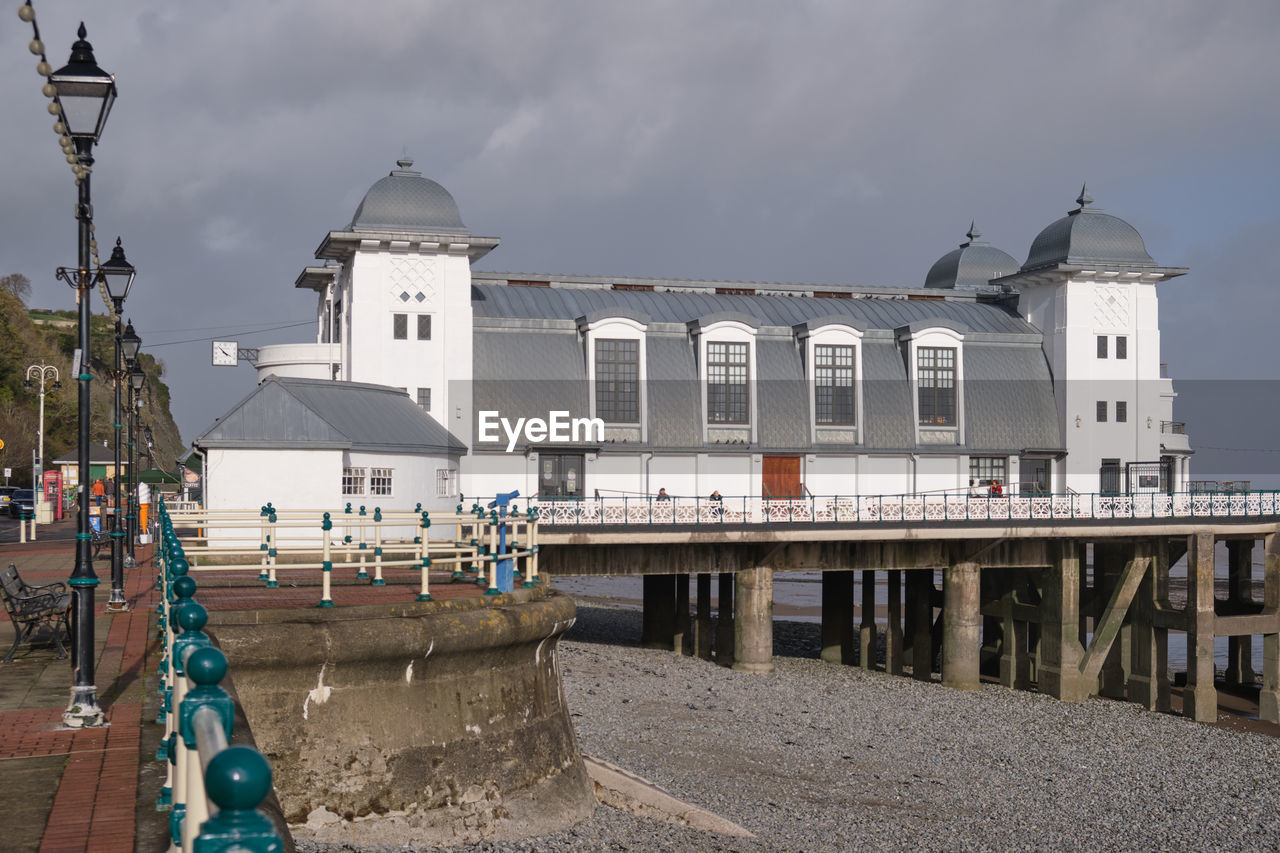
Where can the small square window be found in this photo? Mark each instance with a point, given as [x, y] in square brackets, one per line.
[1102, 346]
[1122, 346]
[1122, 412]
[424, 327]
[380, 481]
[424, 399]
[1102, 411]
[353, 481]
[400, 327]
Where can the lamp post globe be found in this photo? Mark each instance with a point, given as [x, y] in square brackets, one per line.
[84, 96]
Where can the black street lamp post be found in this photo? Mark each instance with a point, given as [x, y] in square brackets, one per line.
[136, 380]
[84, 95]
[126, 345]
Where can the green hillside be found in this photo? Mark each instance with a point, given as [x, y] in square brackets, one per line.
[34, 336]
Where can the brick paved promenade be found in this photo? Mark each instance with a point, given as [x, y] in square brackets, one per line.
[95, 789]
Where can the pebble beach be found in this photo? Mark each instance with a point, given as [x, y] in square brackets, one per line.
[819, 757]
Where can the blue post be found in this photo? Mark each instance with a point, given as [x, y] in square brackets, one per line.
[506, 575]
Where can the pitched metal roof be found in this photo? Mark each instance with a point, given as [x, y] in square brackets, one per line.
[501, 300]
[320, 413]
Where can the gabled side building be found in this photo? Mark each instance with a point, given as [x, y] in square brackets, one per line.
[1043, 376]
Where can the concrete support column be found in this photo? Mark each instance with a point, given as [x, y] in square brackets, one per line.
[1109, 560]
[1015, 662]
[753, 634]
[961, 625]
[725, 629]
[1060, 648]
[867, 626]
[1269, 697]
[681, 641]
[920, 593]
[893, 633]
[1149, 667]
[659, 623]
[1200, 697]
[837, 617]
[1240, 593]
[702, 625]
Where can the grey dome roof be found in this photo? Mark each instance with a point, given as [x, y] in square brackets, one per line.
[972, 265]
[404, 201]
[1088, 236]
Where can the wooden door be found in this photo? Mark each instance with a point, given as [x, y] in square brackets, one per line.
[782, 477]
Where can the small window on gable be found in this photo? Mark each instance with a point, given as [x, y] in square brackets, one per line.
[1102, 411]
[1102, 346]
[1122, 346]
[1122, 412]
[400, 327]
[353, 481]
[424, 327]
[424, 399]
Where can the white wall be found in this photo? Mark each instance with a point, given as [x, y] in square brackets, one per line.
[831, 475]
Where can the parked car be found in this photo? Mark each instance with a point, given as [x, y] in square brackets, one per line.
[22, 503]
[6, 493]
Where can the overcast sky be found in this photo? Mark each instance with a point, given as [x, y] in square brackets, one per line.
[825, 142]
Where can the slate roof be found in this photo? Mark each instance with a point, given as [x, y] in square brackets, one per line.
[971, 266]
[406, 202]
[529, 359]
[285, 412]
[1088, 236]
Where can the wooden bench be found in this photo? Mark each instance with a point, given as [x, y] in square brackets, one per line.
[30, 607]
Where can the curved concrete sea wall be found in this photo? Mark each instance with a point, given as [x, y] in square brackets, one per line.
[445, 718]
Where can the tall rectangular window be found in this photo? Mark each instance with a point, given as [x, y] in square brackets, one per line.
[1102, 346]
[618, 380]
[1102, 411]
[728, 398]
[936, 369]
[833, 372]
[379, 481]
[1122, 346]
[1122, 412]
[424, 399]
[353, 481]
[424, 327]
[446, 482]
[400, 327]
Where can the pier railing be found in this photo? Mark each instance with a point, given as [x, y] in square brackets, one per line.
[905, 508]
[212, 790]
[491, 547]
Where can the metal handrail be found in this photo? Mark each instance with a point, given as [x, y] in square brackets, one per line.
[906, 508]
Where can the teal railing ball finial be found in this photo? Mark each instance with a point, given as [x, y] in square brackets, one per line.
[178, 566]
[377, 513]
[327, 524]
[348, 510]
[426, 522]
[184, 587]
[417, 507]
[206, 666]
[362, 512]
[238, 779]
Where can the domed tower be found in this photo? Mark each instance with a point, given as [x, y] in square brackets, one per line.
[397, 303]
[1089, 285]
[971, 266]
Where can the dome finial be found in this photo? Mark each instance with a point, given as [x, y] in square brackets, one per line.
[973, 234]
[405, 162]
[1084, 199]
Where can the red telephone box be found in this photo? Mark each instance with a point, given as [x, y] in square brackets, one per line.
[53, 492]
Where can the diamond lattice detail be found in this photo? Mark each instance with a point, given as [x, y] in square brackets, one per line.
[413, 278]
[1111, 307]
